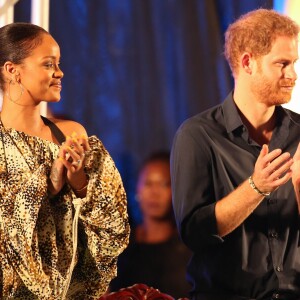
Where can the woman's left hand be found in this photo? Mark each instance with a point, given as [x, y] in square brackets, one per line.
[72, 155]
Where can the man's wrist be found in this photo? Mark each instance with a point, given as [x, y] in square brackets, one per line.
[252, 184]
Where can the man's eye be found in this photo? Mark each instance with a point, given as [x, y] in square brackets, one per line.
[282, 63]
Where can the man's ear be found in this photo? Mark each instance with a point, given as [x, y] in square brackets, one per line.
[247, 62]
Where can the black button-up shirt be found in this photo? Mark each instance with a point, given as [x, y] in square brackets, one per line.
[212, 154]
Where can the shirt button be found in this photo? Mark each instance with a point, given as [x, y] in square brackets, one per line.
[278, 269]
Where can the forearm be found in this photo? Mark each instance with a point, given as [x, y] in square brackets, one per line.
[296, 177]
[297, 193]
[234, 209]
[271, 170]
[56, 178]
[79, 186]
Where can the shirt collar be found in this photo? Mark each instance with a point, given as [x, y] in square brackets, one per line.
[231, 115]
[234, 121]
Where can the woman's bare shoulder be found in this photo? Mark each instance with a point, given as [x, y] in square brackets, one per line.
[68, 127]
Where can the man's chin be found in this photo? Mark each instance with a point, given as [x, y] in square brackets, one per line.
[283, 98]
[286, 98]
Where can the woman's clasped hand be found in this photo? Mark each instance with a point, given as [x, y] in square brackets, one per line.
[69, 165]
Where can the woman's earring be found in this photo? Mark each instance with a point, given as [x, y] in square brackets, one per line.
[11, 82]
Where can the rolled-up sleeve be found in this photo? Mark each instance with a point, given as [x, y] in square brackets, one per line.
[192, 187]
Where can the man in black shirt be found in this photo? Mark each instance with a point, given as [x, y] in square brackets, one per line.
[231, 167]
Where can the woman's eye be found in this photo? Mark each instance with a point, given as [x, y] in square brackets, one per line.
[49, 65]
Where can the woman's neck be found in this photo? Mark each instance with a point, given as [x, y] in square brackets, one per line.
[25, 119]
[155, 231]
[22, 118]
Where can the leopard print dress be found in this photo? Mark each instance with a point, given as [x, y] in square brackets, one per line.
[36, 236]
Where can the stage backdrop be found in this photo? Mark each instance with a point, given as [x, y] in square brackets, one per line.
[136, 69]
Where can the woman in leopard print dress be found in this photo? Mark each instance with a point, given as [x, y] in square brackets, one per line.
[63, 217]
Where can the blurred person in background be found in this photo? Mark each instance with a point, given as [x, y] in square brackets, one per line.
[155, 255]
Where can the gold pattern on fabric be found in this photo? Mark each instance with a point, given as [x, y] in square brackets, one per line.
[36, 245]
